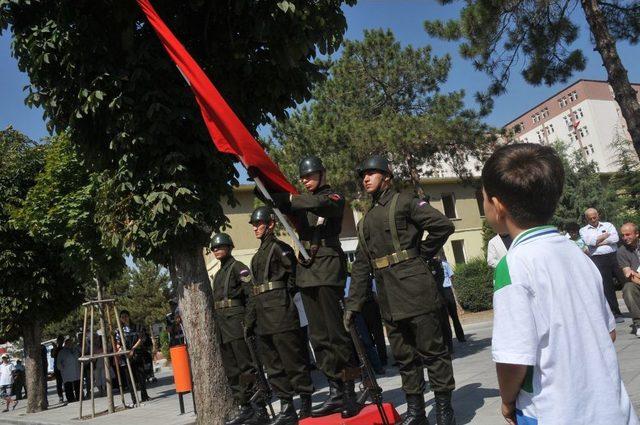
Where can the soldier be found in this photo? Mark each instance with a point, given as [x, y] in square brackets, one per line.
[231, 291]
[274, 318]
[321, 282]
[391, 246]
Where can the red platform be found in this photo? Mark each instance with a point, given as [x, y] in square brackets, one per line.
[367, 416]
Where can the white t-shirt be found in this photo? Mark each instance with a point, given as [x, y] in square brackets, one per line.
[6, 374]
[550, 313]
[448, 274]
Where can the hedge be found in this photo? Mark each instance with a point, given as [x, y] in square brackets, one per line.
[473, 284]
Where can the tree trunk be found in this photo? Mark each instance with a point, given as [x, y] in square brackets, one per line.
[195, 299]
[624, 93]
[35, 371]
[415, 178]
[105, 348]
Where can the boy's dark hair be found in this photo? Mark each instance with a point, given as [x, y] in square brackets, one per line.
[572, 227]
[528, 179]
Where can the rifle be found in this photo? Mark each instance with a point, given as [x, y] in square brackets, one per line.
[263, 390]
[369, 382]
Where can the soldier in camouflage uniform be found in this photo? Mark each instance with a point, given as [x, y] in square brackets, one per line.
[274, 318]
[391, 247]
[318, 215]
[231, 291]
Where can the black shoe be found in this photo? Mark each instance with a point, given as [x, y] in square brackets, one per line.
[305, 406]
[287, 415]
[415, 411]
[444, 411]
[244, 413]
[334, 403]
[260, 416]
[350, 406]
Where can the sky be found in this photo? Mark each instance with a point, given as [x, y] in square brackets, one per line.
[405, 18]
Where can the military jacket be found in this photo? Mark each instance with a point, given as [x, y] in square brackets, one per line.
[405, 289]
[273, 311]
[329, 265]
[230, 320]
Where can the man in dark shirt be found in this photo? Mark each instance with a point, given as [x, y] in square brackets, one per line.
[628, 256]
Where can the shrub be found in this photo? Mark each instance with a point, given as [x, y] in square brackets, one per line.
[474, 285]
[164, 345]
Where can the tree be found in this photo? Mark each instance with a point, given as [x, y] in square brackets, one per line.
[35, 288]
[583, 188]
[382, 98]
[127, 107]
[537, 36]
[626, 182]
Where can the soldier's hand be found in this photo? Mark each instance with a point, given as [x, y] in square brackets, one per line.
[347, 319]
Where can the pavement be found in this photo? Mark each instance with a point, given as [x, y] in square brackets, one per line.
[476, 399]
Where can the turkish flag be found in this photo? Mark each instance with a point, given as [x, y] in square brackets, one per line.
[227, 131]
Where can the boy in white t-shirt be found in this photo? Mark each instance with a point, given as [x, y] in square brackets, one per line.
[553, 331]
[6, 381]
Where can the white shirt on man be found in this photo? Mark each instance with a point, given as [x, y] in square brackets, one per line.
[495, 251]
[550, 314]
[6, 374]
[589, 235]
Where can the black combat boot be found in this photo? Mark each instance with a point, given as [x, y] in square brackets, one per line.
[287, 415]
[350, 406]
[244, 413]
[415, 411]
[333, 404]
[305, 406]
[260, 416]
[444, 411]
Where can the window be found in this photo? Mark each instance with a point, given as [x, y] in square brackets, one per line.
[584, 132]
[562, 101]
[449, 204]
[480, 200]
[573, 96]
[550, 129]
[539, 136]
[545, 112]
[578, 113]
[572, 136]
[458, 251]
[588, 150]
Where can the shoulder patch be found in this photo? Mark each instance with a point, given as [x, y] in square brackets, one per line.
[422, 203]
[245, 272]
[501, 276]
[335, 197]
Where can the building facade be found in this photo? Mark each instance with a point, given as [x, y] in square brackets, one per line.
[583, 115]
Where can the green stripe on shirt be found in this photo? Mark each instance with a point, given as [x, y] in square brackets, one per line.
[501, 277]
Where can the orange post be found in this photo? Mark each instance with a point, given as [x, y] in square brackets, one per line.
[181, 368]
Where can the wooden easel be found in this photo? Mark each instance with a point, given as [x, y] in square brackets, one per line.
[107, 307]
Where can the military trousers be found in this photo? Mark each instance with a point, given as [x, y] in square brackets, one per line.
[331, 343]
[416, 341]
[239, 369]
[285, 359]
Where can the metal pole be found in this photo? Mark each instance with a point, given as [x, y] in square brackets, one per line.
[282, 219]
[93, 402]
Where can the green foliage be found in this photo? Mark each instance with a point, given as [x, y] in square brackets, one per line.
[474, 285]
[34, 286]
[382, 98]
[164, 345]
[129, 109]
[626, 182]
[144, 291]
[583, 188]
[487, 234]
[534, 36]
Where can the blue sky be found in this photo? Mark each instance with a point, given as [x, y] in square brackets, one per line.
[405, 18]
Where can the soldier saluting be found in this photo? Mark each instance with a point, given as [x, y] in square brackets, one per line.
[318, 215]
[390, 246]
[274, 317]
[231, 291]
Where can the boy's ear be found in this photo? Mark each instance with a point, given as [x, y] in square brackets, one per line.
[500, 208]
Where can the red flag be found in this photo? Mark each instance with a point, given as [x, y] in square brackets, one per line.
[227, 131]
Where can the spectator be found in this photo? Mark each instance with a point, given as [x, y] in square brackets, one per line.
[601, 239]
[497, 248]
[450, 299]
[573, 233]
[70, 370]
[136, 342]
[6, 381]
[57, 346]
[18, 380]
[628, 256]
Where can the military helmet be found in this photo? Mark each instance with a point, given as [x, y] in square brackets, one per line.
[310, 164]
[375, 162]
[220, 239]
[264, 214]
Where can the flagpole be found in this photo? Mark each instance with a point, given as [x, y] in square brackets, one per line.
[282, 219]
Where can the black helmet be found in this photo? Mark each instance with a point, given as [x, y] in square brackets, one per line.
[220, 239]
[264, 214]
[375, 162]
[310, 164]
